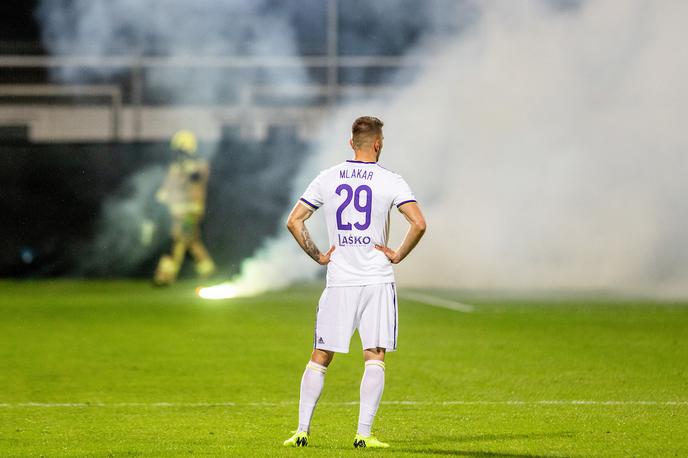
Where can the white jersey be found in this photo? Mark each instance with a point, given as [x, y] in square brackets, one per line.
[357, 198]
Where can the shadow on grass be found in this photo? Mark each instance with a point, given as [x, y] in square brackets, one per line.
[457, 452]
[426, 446]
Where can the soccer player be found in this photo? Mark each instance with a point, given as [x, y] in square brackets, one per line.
[356, 196]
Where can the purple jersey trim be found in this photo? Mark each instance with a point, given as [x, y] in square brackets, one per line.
[315, 328]
[404, 202]
[394, 296]
[315, 207]
[361, 162]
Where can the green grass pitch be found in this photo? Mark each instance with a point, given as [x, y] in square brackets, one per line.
[120, 368]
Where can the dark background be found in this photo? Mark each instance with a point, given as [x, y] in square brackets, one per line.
[52, 195]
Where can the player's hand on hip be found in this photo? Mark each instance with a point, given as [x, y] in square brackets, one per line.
[390, 253]
[324, 259]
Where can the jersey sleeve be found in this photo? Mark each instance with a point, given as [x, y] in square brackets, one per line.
[312, 197]
[402, 193]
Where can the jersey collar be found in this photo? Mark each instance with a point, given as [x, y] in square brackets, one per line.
[360, 162]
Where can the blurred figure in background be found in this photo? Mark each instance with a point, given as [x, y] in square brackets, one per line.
[183, 193]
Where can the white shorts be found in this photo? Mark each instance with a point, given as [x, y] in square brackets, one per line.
[372, 309]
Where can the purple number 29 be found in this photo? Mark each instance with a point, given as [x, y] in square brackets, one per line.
[356, 197]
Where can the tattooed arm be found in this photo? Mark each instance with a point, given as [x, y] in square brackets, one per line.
[297, 226]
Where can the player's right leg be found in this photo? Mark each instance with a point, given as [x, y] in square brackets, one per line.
[372, 386]
[378, 331]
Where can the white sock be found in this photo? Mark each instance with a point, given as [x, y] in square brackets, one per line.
[372, 385]
[311, 386]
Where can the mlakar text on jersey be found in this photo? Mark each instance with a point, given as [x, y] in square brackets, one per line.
[356, 173]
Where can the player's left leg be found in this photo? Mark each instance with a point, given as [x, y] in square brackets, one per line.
[334, 325]
[312, 383]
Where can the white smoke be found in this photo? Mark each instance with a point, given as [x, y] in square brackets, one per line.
[101, 29]
[546, 148]
[173, 28]
[543, 141]
[120, 244]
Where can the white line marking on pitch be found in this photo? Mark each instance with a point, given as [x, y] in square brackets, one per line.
[437, 301]
[346, 403]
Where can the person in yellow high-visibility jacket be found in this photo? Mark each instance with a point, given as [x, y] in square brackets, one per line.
[183, 193]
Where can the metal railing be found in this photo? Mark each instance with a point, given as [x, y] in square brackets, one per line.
[114, 93]
[330, 91]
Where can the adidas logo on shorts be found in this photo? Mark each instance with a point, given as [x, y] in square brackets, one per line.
[320, 340]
